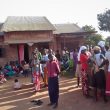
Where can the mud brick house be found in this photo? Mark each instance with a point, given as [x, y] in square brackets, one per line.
[2, 46]
[69, 35]
[20, 35]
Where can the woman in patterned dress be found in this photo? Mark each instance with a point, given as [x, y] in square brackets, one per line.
[84, 70]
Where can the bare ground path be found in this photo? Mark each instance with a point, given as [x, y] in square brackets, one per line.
[71, 98]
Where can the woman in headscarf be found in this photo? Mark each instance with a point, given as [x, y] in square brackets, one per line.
[84, 69]
[78, 66]
[99, 79]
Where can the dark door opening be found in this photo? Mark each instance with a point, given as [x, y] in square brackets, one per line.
[42, 46]
[26, 53]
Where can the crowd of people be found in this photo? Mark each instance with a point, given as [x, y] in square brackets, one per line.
[91, 66]
[43, 65]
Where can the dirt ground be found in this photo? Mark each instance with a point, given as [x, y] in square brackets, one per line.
[71, 97]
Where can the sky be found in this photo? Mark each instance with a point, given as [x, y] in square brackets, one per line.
[82, 12]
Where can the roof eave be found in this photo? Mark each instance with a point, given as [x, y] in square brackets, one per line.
[77, 33]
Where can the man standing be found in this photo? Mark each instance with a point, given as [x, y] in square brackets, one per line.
[53, 85]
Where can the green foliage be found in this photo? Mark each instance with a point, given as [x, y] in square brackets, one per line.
[104, 20]
[88, 28]
[107, 41]
[94, 38]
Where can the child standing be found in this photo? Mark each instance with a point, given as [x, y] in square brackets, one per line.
[26, 69]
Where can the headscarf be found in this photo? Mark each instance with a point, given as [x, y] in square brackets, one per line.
[97, 48]
[101, 44]
[35, 50]
[81, 48]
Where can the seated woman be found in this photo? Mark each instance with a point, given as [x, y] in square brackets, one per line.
[15, 69]
[8, 70]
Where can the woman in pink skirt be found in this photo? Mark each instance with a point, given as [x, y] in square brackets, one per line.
[107, 55]
[36, 70]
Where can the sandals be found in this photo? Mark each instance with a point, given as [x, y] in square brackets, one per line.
[37, 102]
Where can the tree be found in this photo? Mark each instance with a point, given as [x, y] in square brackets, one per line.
[94, 38]
[88, 28]
[104, 20]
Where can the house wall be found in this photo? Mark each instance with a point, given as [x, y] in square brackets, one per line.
[56, 42]
[40, 39]
[10, 54]
[1, 39]
[70, 41]
[28, 36]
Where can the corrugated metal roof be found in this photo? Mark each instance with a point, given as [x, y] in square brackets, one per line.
[27, 23]
[67, 28]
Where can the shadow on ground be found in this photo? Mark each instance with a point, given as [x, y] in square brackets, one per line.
[71, 97]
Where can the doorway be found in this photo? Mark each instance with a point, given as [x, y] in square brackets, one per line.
[42, 46]
[26, 53]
